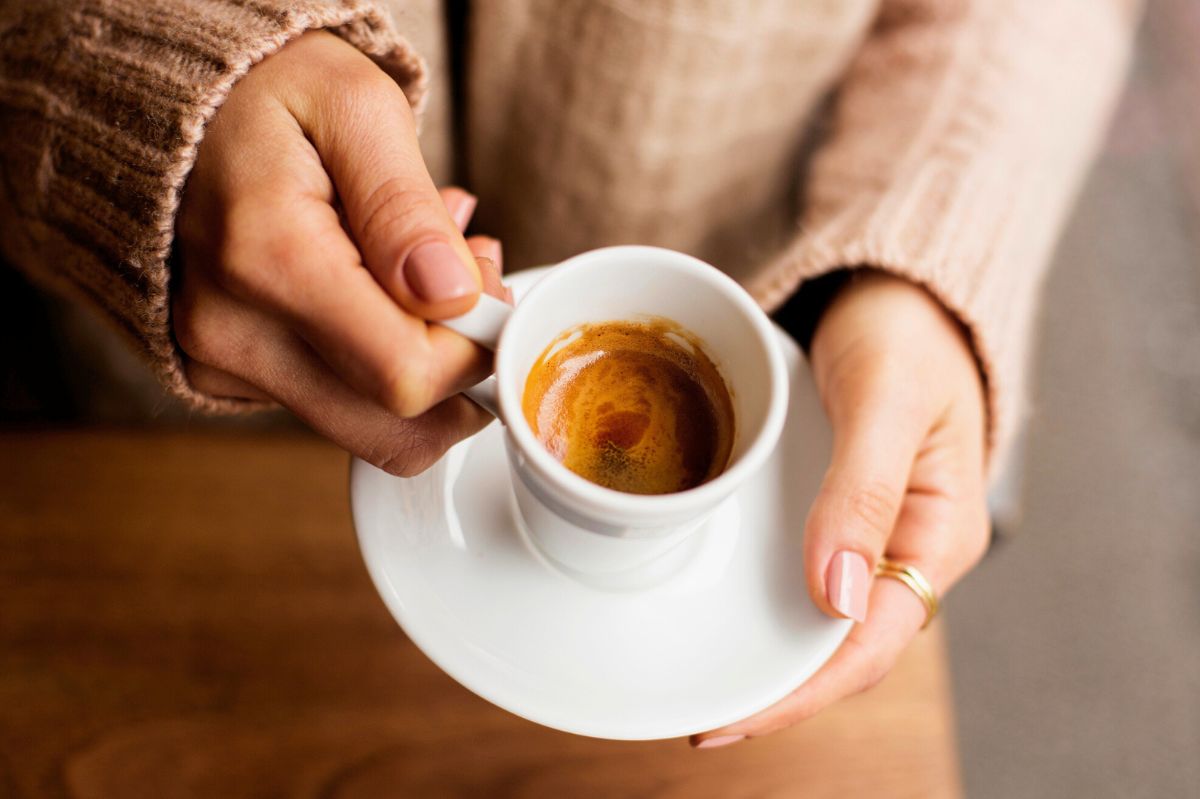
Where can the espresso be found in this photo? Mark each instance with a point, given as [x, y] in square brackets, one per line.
[634, 406]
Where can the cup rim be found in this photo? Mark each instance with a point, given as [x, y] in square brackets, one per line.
[644, 507]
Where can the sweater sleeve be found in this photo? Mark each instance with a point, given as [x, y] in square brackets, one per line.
[956, 142]
[102, 107]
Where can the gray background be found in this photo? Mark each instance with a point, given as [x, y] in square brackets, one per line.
[1076, 645]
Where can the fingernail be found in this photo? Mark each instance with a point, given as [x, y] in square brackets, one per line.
[461, 207]
[435, 273]
[719, 740]
[490, 248]
[846, 583]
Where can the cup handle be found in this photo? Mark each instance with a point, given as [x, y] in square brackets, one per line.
[483, 325]
[484, 394]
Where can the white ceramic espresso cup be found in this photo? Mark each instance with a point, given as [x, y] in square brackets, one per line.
[585, 528]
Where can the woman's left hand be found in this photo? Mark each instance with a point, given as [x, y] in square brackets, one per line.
[903, 392]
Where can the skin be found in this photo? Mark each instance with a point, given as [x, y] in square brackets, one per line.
[293, 227]
[900, 385]
[292, 235]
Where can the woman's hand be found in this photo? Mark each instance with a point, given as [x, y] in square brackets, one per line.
[314, 250]
[903, 393]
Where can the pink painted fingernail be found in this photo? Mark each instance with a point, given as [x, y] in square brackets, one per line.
[461, 206]
[846, 583]
[435, 273]
[719, 740]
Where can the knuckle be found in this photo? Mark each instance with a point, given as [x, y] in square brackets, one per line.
[366, 99]
[277, 267]
[408, 464]
[364, 85]
[281, 248]
[392, 212]
[874, 505]
[406, 388]
[409, 456]
[254, 264]
[259, 248]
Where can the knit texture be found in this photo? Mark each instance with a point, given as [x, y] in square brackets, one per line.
[959, 132]
[958, 135]
[104, 104]
[957, 144]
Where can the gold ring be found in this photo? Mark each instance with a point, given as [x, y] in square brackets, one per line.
[915, 581]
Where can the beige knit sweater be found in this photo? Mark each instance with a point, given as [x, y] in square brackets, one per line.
[958, 136]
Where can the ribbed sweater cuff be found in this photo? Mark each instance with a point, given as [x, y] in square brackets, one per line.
[981, 192]
[108, 100]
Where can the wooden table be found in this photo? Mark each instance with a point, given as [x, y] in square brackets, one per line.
[188, 615]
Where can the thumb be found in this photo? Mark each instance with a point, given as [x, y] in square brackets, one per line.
[852, 517]
[408, 239]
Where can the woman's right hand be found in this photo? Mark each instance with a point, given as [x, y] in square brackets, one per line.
[315, 250]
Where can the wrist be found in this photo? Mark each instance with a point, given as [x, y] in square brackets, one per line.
[890, 319]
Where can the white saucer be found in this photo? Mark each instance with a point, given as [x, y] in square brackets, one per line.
[728, 634]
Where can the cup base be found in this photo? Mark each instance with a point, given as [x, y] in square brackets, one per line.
[701, 556]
